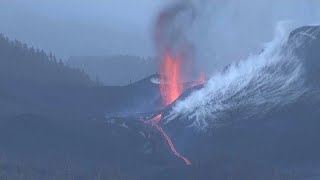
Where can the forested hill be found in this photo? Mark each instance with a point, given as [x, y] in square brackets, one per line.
[34, 82]
[23, 64]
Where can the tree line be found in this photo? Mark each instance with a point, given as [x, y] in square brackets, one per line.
[22, 63]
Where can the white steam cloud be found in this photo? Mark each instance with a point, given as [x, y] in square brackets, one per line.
[255, 85]
[224, 31]
[233, 32]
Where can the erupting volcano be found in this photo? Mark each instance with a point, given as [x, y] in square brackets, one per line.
[171, 87]
[176, 54]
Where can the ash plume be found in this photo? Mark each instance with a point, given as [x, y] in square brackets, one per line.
[233, 32]
[173, 33]
[214, 33]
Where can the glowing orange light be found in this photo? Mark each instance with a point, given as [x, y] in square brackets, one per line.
[173, 149]
[154, 122]
[202, 78]
[171, 85]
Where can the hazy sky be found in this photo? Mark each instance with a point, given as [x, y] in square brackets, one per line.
[225, 30]
[82, 27]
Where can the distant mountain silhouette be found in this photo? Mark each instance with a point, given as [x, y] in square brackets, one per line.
[115, 70]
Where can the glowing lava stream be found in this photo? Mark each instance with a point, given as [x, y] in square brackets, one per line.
[171, 87]
[154, 122]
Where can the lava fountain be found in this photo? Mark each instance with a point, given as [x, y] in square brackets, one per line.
[176, 54]
[171, 85]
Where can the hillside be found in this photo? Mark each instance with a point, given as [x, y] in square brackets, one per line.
[51, 113]
[115, 70]
[23, 64]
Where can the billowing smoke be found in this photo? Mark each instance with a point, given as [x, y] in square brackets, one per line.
[234, 32]
[236, 29]
[249, 88]
[172, 26]
[215, 33]
[173, 34]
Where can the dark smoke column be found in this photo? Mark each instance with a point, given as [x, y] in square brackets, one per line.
[172, 34]
[175, 48]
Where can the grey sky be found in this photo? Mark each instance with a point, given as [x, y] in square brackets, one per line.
[81, 27]
[225, 31]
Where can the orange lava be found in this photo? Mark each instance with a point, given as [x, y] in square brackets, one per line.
[155, 120]
[173, 149]
[171, 85]
[155, 123]
[202, 78]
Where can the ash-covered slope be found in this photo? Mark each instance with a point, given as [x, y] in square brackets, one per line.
[264, 108]
[141, 96]
[284, 71]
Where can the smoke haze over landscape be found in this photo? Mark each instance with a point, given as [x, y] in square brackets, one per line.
[159, 89]
[221, 32]
[89, 27]
[84, 27]
[227, 31]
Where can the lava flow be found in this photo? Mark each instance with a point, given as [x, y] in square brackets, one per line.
[154, 122]
[171, 87]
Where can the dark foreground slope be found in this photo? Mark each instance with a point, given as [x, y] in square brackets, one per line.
[52, 116]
